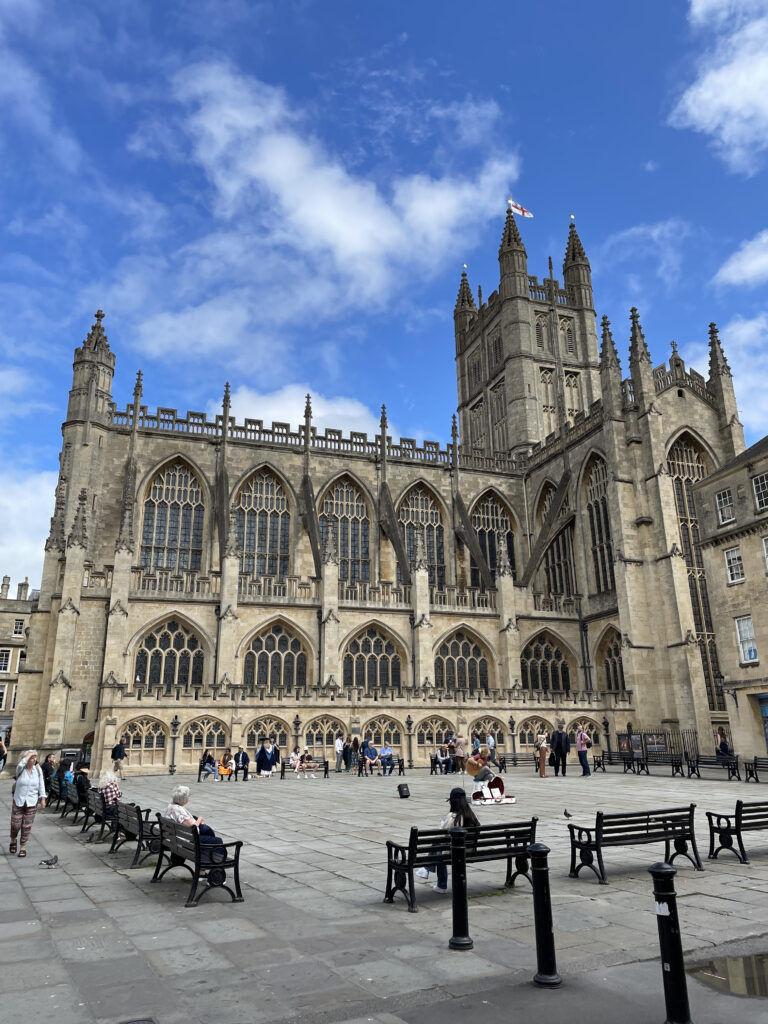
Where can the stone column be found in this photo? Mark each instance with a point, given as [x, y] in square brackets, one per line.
[509, 634]
[422, 626]
[329, 612]
[228, 617]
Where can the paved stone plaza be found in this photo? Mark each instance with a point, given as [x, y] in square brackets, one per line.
[92, 941]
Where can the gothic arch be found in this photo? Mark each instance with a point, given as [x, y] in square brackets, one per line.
[472, 633]
[147, 740]
[387, 630]
[529, 728]
[265, 521]
[430, 732]
[593, 453]
[598, 538]
[353, 478]
[199, 733]
[445, 516]
[267, 725]
[347, 507]
[486, 724]
[384, 728]
[420, 510]
[548, 664]
[160, 620]
[697, 440]
[320, 735]
[608, 628]
[276, 657]
[495, 493]
[609, 667]
[589, 725]
[496, 528]
[374, 659]
[542, 495]
[153, 540]
[268, 467]
[281, 620]
[462, 661]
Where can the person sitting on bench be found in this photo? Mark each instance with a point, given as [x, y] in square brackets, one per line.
[477, 766]
[460, 815]
[177, 811]
[372, 759]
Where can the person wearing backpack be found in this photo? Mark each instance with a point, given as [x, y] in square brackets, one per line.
[28, 792]
[119, 756]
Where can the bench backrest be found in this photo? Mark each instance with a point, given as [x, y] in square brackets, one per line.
[95, 801]
[752, 815]
[131, 818]
[644, 824]
[183, 840]
[482, 841]
[54, 788]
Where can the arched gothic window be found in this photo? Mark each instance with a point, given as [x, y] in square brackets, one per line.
[483, 726]
[276, 659]
[493, 525]
[545, 503]
[610, 657]
[541, 329]
[345, 512]
[686, 464]
[566, 334]
[146, 741]
[202, 733]
[600, 526]
[372, 661]
[431, 733]
[590, 728]
[172, 532]
[460, 664]
[544, 665]
[169, 656]
[264, 727]
[383, 730]
[263, 526]
[559, 573]
[530, 729]
[420, 511]
[572, 395]
[321, 734]
[548, 399]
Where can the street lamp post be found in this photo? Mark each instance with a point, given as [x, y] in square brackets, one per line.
[409, 727]
[512, 738]
[296, 727]
[175, 723]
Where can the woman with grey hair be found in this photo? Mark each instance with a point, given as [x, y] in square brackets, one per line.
[110, 790]
[28, 792]
[177, 811]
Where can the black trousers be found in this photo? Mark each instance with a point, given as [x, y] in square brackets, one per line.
[559, 761]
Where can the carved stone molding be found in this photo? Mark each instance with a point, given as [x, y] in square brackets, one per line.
[61, 680]
[68, 607]
[117, 609]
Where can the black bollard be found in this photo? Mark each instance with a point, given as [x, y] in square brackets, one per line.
[460, 938]
[542, 917]
[672, 963]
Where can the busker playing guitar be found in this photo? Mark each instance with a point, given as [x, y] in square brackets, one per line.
[477, 765]
[489, 788]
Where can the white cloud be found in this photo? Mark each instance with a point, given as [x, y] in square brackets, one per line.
[650, 166]
[728, 100]
[26, 506]
[660, 242]
[474, 120]
[745, 342]
[748, 265]
[286, 405]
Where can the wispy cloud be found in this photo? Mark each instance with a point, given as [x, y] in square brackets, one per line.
[748, 265]
[26, 504]
[660, 244]
[728, 99]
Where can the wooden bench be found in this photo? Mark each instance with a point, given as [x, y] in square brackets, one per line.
[285, 766]
[429, 847]
[724, 828]
[728, 762]
[54, 793]
[753, 767]
[180, 845]
[398, 767]
[598, 762]
[133, 826]
[671, 826]
[73, 802]
[635, 763]
[97, 813]
[673, 761]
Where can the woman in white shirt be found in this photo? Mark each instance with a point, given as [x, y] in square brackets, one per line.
[542, 745]
[28, 792]
[177, 811]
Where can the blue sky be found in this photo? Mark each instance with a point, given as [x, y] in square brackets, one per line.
[282, 194]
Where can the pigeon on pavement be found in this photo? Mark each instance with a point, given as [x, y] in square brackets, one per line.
[54, 860]
[567, 813]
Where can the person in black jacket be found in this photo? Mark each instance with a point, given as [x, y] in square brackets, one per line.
[561, 747]
[49, 767]
[241, 763]
[82, 782]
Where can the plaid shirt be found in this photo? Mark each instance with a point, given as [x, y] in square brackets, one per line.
[111, 793]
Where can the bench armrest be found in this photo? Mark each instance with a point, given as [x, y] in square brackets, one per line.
[715, 816]
[581, 834]
[397, 850]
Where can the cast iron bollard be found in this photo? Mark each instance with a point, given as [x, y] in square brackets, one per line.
[672, 963]
[460, 938]
[542, 916]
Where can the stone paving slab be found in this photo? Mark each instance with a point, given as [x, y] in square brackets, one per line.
[314, 942]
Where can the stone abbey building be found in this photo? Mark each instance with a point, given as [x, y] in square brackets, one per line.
[208, 581]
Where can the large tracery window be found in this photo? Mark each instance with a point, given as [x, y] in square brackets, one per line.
[600, 526]
[420, 511]
[530, 729]
[543, 665]
[172, 532]
[276, 659]
[169, 656]
[263, 526]
[431, 733]
[264, 727]
[146, 741]
[460, 663]
[686, 465]
[493, 525]
[344, 511]
[372, 661]
[321, 734]
[588, 726]
[201, 734]
[610, 659]
[482, 726]
[559, 574]
[383, 730]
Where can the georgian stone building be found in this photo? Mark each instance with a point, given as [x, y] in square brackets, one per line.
[237, 578]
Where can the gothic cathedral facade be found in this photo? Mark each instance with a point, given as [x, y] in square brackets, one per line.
[207, 582]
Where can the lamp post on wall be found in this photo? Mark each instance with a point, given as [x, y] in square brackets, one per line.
[175, 723]
[296, 727]
[606, 733]
[409, 727]
[512, 739]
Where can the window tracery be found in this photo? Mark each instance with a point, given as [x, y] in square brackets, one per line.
[548, 399]
[321, 734]
[263, 524]
[544, 665]
[373, 662]
[588, 726]
[169, 656]
[202, 733]
[600, 526]
[499, 417]
[610, 656]
[431, 733]
[383, 730]
[460, 664]
[483, 726]
[146, 742]
[572, 395]
[276, 660]
[477, 426]
[492, 524]
[266, 726]
[530, 729]
[345, 512]
[174, 513]
[420, 511]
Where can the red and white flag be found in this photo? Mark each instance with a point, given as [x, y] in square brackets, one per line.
[518, 209]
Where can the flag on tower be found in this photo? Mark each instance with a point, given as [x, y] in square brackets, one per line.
[518, 209]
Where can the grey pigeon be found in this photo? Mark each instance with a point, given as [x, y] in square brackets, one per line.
[50, 863]
[567, 813]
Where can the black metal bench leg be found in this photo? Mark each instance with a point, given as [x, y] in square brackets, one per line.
[743, 853]
[410, 893]
[236, 878]
[389, 896]
[601, 874]
[521, 868]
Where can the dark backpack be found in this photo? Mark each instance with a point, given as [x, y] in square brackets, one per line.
[117, 752]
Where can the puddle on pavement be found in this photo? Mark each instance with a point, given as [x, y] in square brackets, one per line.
[734, 975]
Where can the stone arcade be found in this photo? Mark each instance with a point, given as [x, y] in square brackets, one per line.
[245, 579]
